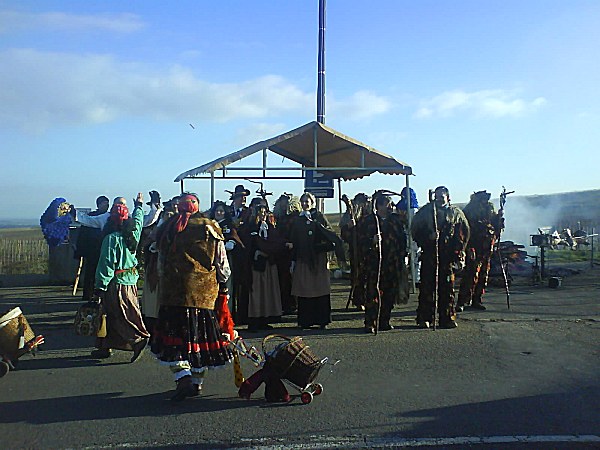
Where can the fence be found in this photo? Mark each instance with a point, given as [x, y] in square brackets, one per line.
[23, 256]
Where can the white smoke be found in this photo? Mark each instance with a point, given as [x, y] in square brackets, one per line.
[525, 215]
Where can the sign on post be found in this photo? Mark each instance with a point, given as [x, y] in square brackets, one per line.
[318, 184]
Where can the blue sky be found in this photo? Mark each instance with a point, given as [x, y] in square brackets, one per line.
[97, 96]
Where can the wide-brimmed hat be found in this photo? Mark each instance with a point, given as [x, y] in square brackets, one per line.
[240, 191]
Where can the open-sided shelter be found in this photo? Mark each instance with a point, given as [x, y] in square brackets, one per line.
[314, 146]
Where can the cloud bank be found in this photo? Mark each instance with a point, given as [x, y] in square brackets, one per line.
[47, 89]
[482, 104]
[119, 23]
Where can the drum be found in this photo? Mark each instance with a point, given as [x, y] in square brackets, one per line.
[15, 333]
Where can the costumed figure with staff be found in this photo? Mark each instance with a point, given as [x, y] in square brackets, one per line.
[441, 230]
[382, 243]
[485, 225]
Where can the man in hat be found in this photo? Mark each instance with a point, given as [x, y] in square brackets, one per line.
[442, 232]
[485, 225]
[238, 204]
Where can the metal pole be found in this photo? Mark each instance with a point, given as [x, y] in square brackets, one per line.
[321, 65]
[340, 199]
[212, 189]
[413, 254]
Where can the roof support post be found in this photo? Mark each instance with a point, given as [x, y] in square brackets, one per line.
[411, 246]
[181, 185]
[264, 159]
[315, 145]
[212, 189]
[340, 198]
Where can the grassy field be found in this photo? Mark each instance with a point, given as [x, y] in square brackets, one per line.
[23, 251]
[21, 233]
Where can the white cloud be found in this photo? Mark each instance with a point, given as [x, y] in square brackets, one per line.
[119, 23]
[48, 89]
[258, 132]
[361, 105]
[486, 103]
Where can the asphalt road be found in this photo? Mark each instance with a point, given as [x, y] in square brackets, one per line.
[528, 377]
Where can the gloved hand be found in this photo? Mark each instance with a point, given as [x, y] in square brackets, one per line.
[229, 245]
[154, 198]
[139, 200]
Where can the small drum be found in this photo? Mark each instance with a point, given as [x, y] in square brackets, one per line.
[292, 360]
[15, 334]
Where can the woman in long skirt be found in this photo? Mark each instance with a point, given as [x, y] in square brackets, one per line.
[194, 324]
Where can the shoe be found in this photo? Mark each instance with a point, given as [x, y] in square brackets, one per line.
[266, 327]
[449, 325]
[196, 390]
[423, 324]
[460, 308]
[323, 327]
[386, 327]
[184, 389]
[369, 330]
[101, 353]
[138, 348]
[478, 306]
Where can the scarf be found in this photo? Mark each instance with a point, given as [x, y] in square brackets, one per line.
[188, 205]
[118, 214]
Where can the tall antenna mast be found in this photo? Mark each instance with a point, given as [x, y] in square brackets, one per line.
[321, 65]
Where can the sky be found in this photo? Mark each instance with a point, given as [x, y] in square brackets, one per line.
[112, 98]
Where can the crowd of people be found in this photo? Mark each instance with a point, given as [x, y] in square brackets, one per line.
[205, 270]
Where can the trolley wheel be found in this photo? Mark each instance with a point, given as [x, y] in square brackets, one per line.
[317, 389]
[4, 368]
[306, 397]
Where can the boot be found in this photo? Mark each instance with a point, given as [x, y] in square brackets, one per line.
[184, 389]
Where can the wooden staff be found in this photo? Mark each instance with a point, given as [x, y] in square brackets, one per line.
[76, 282]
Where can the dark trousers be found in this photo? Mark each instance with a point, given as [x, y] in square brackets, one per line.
[445, 294]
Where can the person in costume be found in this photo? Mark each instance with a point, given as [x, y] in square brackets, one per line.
[194, 324]
[264, 244]
[237, 257]
[221, 213]
[89, 241]
[356, 210]
[310, 272]
[382, 240]
[439, 262]
[285, 209]
[238, 203]
[55, 221]
[116, 282]
[485, 224]
[149, 300]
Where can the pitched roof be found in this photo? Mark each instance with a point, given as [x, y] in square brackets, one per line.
[343, 156]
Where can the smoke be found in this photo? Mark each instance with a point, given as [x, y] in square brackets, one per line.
[524, 215]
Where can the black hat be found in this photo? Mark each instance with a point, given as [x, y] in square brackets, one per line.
[240, 191]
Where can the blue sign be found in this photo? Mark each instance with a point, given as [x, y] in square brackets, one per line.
[318, 184]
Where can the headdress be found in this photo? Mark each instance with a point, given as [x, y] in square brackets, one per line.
[118, 214]
[188, 204]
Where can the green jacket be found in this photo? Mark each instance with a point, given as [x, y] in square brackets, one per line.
[116, 260]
